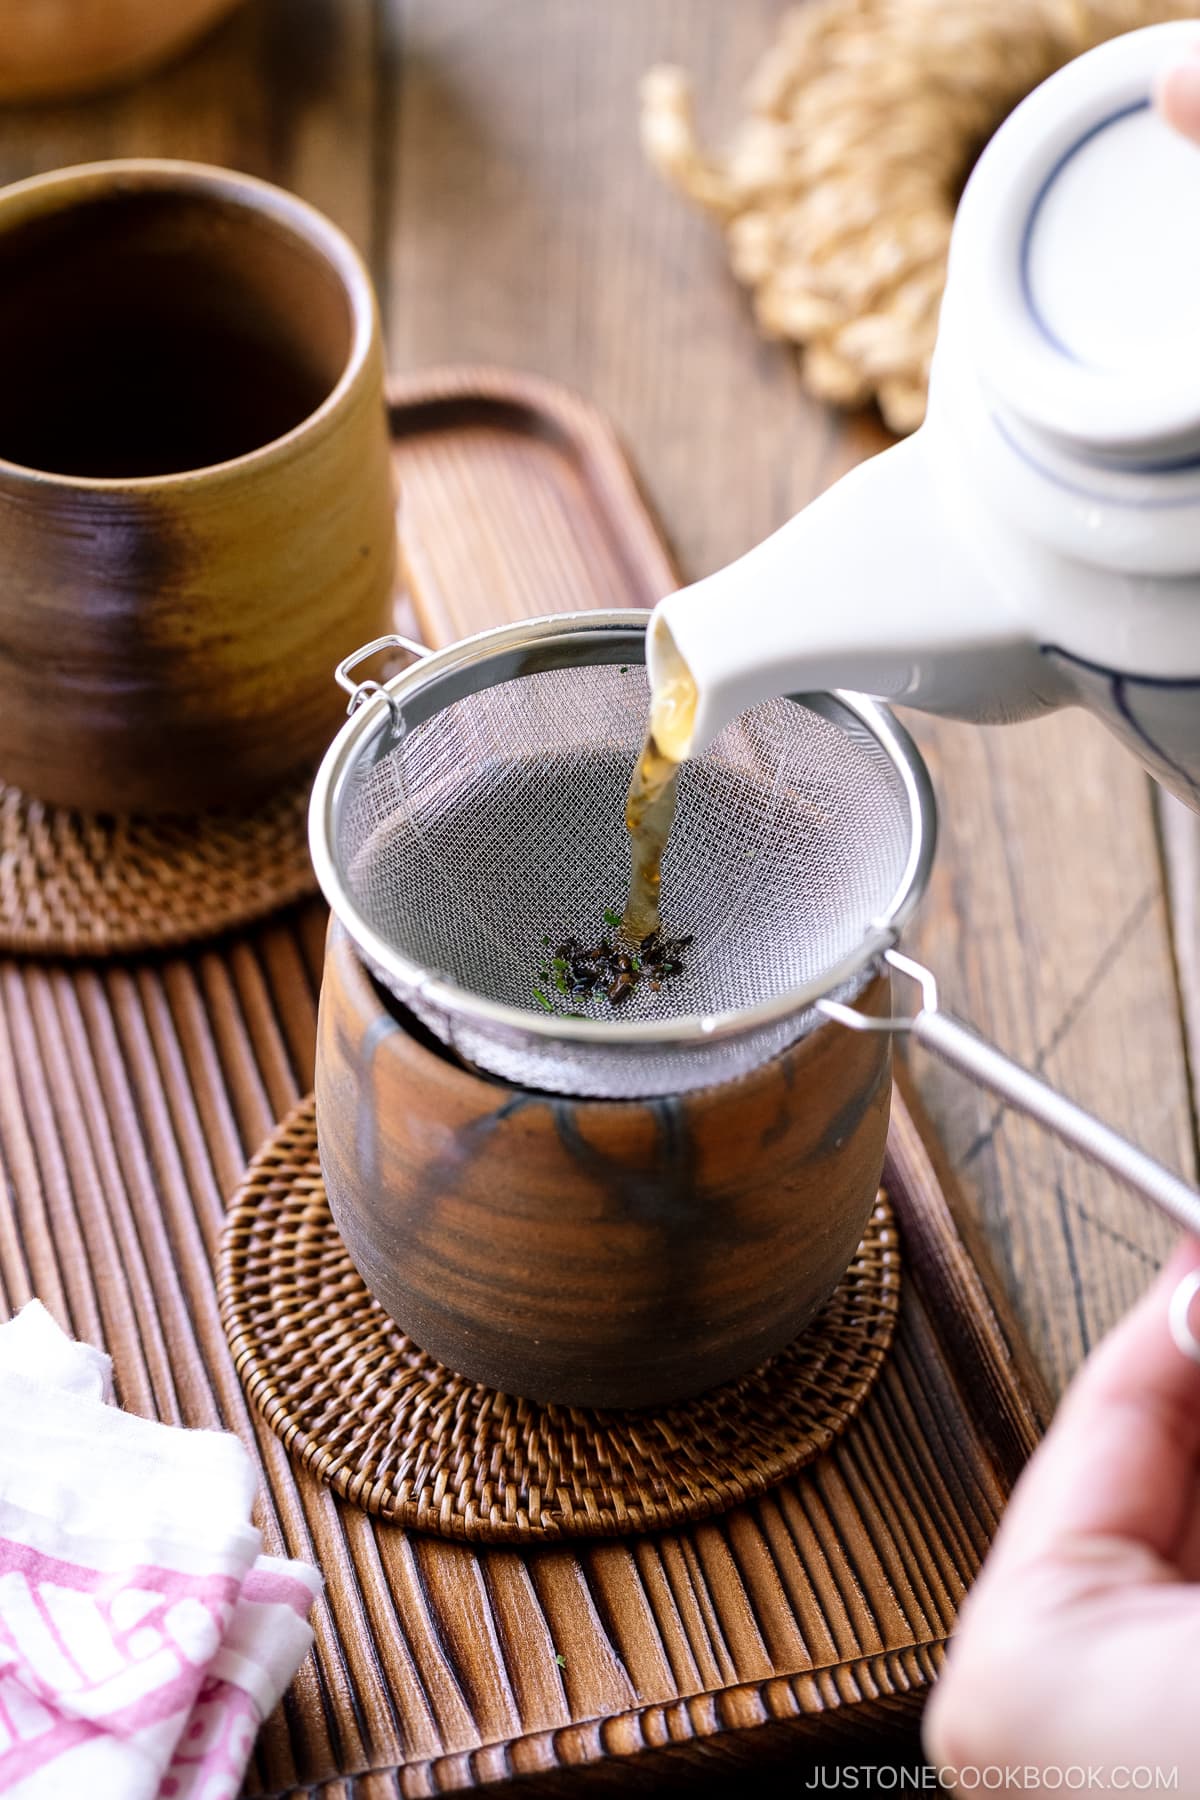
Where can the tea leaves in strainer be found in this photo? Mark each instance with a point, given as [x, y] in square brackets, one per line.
[474, 809]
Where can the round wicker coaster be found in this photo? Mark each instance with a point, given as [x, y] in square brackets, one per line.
[73, 884]
[389, 1428]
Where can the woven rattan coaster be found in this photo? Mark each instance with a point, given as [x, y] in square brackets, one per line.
[386, 1426]
[78, 885]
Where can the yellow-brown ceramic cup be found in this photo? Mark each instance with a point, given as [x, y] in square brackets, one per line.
[77, 46]
[196, 507]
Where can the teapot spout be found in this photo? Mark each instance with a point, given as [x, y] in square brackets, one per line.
[873, 587]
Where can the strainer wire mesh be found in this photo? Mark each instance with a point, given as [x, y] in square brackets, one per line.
[470, 841]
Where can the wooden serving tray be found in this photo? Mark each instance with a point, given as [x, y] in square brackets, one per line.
[131, 1095]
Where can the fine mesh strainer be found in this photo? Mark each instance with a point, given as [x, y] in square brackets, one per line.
[471, 812]
[474, 807]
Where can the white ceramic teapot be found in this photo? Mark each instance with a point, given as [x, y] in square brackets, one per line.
[1037, 542]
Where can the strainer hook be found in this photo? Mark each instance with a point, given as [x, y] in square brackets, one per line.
[362, 690]
[926, 981]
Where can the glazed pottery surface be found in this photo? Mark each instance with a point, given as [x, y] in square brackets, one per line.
[196, 506]
[52, 48]
[600, 1253]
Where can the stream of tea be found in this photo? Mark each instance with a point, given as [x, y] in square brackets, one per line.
[641, 952]
[650, 803]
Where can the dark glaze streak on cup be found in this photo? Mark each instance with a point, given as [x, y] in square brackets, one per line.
[595, 1253]
[781, 1124]
[660, 1192]
[444, 1174]
[848, 1118]
[190, 365]
[366, 1120]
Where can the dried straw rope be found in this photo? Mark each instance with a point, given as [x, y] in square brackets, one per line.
[838, 192]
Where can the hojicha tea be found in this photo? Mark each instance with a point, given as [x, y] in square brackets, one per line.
[649, 810]
[610, 970]
[650, 803]
[640, 952]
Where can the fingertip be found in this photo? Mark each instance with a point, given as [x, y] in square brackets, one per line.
[1140, 1355]
[1177, 94]
[1183, 1260]
[1120, 1458]
[945, 1723]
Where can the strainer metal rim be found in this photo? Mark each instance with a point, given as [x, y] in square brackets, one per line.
[527, 647]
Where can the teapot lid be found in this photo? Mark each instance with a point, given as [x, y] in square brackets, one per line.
[1077, 255]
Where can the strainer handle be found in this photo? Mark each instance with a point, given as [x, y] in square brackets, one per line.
[966, 1051]
[958, 1045]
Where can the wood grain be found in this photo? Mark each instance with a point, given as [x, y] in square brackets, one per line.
[1181, 849]
[130, 1097]
[486, 159]
[525, 229]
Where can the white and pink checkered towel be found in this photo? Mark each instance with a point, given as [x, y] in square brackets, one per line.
[143, 1638]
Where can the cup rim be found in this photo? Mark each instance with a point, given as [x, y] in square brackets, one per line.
[306, 223]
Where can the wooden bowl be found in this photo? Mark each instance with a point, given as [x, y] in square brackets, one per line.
[596, 1253]
[71, 47]
[196, 509]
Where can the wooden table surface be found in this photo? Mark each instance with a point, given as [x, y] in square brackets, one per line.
[483, 153]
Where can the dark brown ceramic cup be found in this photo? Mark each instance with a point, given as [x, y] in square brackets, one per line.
[196, 508]
[598, 1253]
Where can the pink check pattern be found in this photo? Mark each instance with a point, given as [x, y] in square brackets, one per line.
[143, 1635]
[84, 1653]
